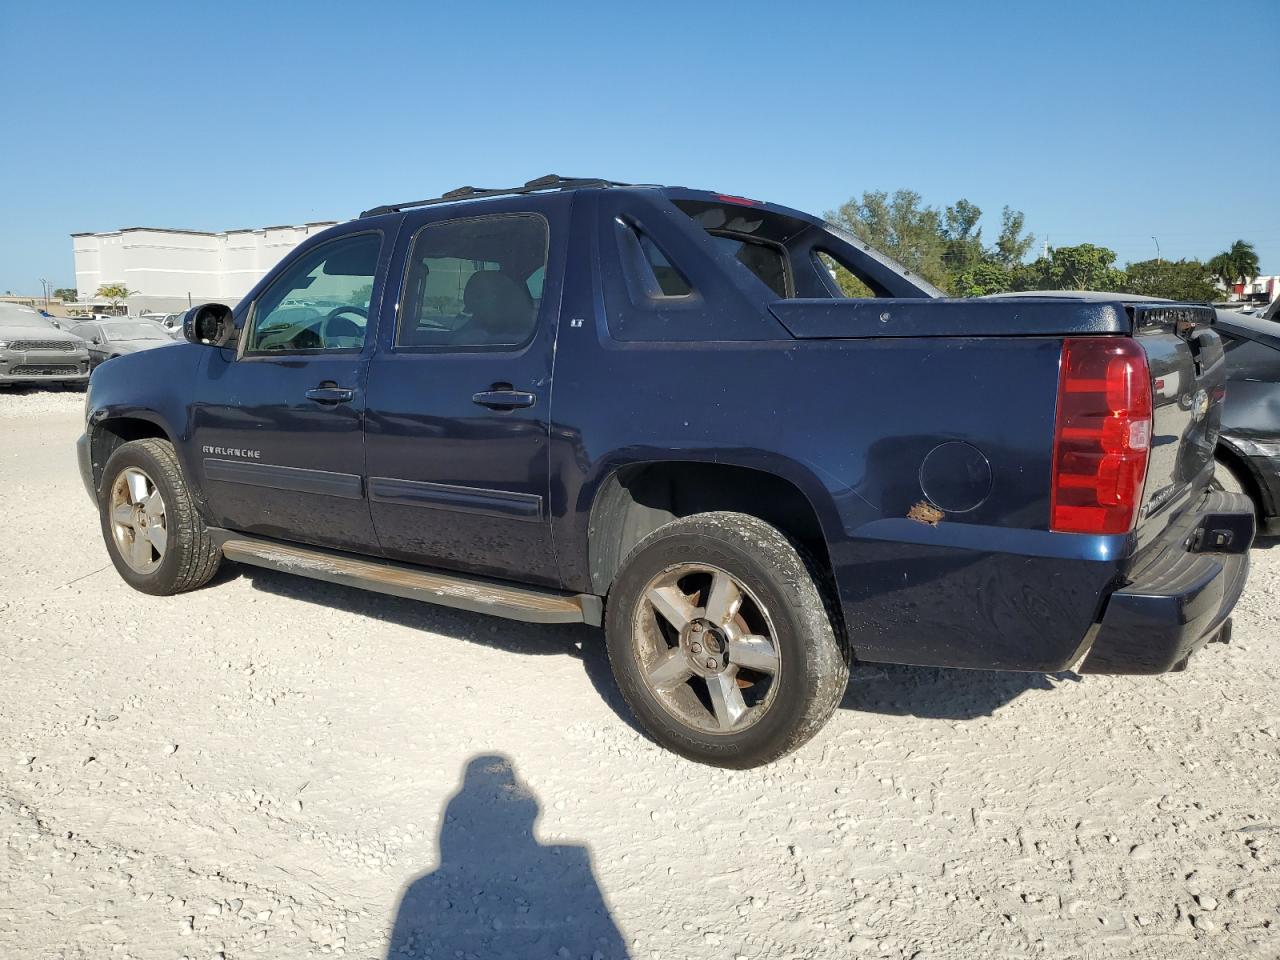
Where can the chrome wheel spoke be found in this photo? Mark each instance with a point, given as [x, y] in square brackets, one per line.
[726, 699]
[140, 551]
[724, 599]
[754, 653]
[672, 605]
[671, 671]
[158, 536]
[153, 506]
[137, 486]
[123, 514]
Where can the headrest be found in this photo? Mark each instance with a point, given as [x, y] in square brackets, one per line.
[497, 301]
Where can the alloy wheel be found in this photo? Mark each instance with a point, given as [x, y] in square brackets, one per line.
[707, 648]
[138, 523]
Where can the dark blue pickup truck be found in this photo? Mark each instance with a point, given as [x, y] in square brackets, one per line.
[654, 409]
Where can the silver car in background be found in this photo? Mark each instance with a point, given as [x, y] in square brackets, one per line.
[32, 350]
[108, 339]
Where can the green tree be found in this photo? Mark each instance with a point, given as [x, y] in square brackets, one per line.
[900, 226]
[1237, 265]
[114, 293]
[945, 247]
[66, 294]
[1013, 244]
[960, 228]
[1188, 280]
[982, 279]
[1082, 267]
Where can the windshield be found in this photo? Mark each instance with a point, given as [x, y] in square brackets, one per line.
[133, 331]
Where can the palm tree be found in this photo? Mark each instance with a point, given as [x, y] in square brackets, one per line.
[1237, 265]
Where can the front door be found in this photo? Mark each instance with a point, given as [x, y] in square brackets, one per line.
[278, 429]
[460, 388]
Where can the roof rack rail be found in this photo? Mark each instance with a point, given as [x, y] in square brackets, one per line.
[551, 181]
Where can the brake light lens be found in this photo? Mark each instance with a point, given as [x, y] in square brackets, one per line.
[1102, 435]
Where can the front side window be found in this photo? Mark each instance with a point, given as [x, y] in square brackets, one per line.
[321, 301]
[474, 283]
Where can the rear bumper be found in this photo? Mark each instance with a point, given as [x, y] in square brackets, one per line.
[1180, 593]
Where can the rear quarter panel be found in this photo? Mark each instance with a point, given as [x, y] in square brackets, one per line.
[852, 424]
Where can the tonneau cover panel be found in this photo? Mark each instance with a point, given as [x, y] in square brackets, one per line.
[820, 319]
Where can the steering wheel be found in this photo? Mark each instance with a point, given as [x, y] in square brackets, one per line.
[335, 313]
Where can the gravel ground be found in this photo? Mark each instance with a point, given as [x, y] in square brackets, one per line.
[279, 768]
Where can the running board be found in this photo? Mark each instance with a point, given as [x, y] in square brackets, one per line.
[414, 583]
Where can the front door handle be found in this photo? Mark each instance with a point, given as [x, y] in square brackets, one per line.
[330, 392]
[507, 399]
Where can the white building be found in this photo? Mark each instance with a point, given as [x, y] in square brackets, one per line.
[167, 270]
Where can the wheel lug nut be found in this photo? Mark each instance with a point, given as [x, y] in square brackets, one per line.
[711, 664]
[697, 648]
[697, 628]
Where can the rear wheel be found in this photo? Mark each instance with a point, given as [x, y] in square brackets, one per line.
[153, 532]
[722, 640]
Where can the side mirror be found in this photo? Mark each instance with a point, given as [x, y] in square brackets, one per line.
[210, 324]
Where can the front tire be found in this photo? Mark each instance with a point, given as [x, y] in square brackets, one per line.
[154, 534]
[723, 641]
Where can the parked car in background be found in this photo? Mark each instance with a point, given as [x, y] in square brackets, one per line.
[1248, 451]
[172, 322]
[34, 351]
[108, 339]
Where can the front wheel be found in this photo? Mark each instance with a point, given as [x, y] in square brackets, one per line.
[154, 533]
[722, 641]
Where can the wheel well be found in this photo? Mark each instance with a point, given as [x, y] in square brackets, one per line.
[1242, 472]
[639, 499]
[110, 434]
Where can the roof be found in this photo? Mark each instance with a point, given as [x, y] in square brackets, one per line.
[549, 182]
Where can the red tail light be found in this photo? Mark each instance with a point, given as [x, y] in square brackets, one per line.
[1101, 437]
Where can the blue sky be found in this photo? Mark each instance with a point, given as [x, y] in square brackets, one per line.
[1104, 122]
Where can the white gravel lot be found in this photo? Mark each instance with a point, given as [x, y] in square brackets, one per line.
[268, 766]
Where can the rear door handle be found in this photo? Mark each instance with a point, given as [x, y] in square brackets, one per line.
[503, 399]
[331, 393]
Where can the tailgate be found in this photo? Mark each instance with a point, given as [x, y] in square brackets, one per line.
[1188, 377]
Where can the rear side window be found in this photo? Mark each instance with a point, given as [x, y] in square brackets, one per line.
[474, 283]
[766, 260]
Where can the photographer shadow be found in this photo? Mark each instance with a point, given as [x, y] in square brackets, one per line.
[498, 892]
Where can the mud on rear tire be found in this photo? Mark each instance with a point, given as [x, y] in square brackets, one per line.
[190, 556]
[782, 593]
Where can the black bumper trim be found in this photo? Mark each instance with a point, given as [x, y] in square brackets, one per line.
[84, 458]
[1179, 602]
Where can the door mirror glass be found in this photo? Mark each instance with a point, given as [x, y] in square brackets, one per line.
[210, 324]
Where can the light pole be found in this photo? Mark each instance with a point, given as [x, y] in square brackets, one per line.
[1158, 257]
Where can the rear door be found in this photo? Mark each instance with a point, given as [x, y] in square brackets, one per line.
[277, 425]
[460, 390]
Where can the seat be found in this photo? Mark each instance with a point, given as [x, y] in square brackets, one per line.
[501, 310]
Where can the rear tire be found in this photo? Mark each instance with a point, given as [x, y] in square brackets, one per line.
[723, 640]
[154, 534]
